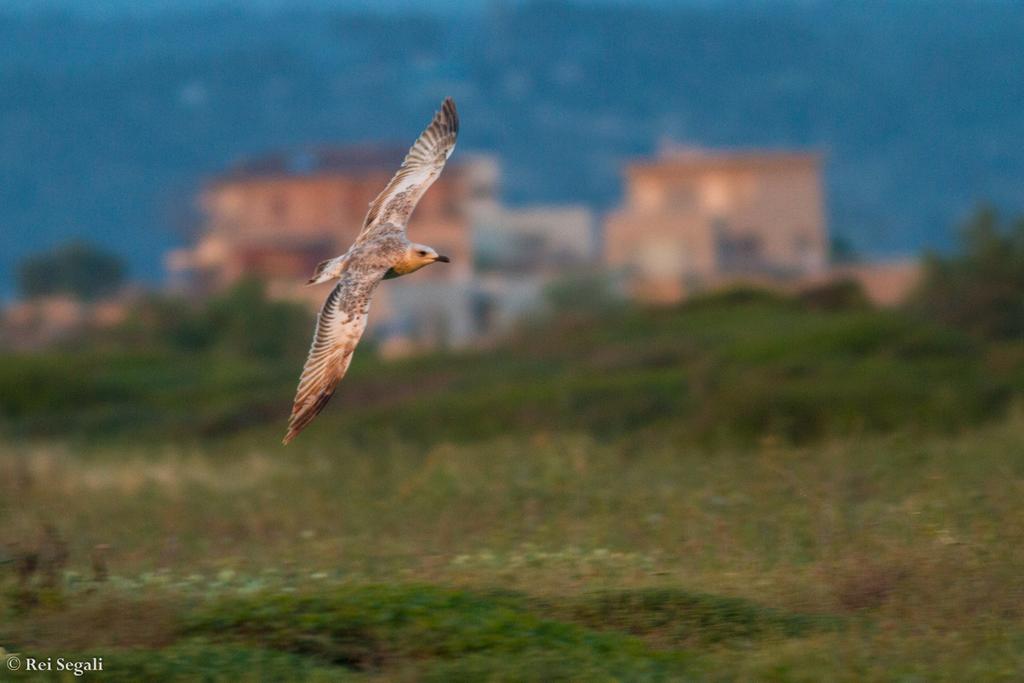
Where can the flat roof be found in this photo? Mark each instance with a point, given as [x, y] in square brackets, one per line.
[684, 159]
[348, 160]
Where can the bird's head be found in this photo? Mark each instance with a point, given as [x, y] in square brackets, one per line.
[419, 255]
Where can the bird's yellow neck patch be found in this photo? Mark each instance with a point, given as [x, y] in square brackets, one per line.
[406, 266]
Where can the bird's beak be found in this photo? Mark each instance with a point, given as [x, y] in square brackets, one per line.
[443, 259]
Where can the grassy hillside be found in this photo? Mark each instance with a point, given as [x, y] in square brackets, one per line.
[726, 369]
[744, 488]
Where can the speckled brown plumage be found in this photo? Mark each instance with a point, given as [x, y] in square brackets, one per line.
[381, 249]
[419, 170]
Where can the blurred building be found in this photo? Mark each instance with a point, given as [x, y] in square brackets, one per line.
[884, 283]
[520, 252]
[695, 219]
[535, 239]
[44, 321]
[276, 217]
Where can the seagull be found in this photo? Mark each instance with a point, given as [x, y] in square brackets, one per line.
[381, 252]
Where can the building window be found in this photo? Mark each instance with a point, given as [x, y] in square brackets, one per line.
[809, 258]
[279, 207]
[484, 312]
[740, 254]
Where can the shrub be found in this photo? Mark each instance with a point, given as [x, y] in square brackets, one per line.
[980, 289]
[78, 269]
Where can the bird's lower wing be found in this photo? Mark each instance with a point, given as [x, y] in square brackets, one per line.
[339, 327]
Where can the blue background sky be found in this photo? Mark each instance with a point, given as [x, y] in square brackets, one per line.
[112, 115]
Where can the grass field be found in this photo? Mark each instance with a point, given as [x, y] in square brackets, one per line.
[548, 542]
[553, 557]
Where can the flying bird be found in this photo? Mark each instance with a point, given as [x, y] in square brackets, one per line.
[381, 251]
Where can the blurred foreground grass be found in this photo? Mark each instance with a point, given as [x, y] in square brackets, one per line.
[554, 557]
[739, 489]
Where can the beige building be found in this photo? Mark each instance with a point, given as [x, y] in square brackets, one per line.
[277, 217]
[41, 322]
[885, 283]
[535, 239]
[694, 219]
[520, 252]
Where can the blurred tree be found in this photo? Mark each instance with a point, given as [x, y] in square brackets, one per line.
[245, 322]
[586, 292]
[840, 295]
[161, 321]
[79, 269]
[241, 321]
[981, 288]
[841, 250]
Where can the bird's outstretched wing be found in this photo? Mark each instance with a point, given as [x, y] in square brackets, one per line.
[339, 326]
[421, 167]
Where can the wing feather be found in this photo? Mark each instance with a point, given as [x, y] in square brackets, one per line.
[421, 167]
[339, 326]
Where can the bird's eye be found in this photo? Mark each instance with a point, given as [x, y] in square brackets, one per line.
[421, 253]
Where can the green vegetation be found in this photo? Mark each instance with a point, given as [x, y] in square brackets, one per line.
[77, 269]
[746, 487]
[239, 323]
[422, 632]
[543, 557]
[728, 369]
[981, 288]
